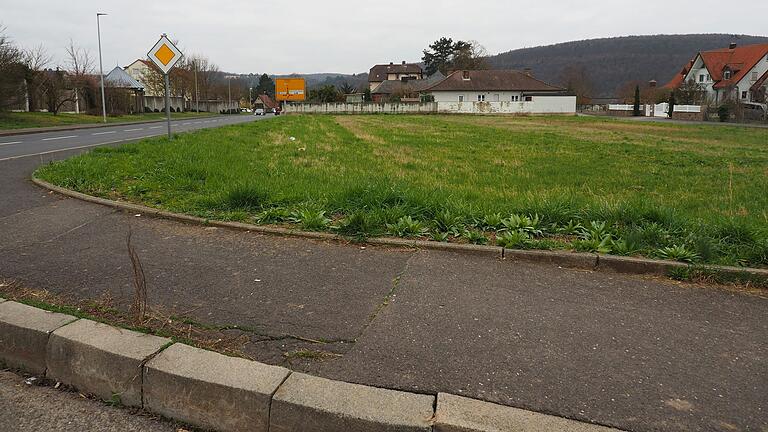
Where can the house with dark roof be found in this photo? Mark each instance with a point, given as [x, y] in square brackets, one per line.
[735, 72]
[394, 72]
[408, 90]
[501, 91]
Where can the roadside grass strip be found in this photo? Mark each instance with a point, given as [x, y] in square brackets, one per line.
[689, 193]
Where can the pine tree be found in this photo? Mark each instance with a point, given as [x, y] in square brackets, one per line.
[636, 110]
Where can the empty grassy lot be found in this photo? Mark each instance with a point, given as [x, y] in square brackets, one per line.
[22, 120]
[692, 193]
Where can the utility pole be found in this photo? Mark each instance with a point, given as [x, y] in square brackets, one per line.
[229, 95]
[197, 95]
[101, 68]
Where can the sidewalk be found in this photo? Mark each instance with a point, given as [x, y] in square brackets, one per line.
[637, 354]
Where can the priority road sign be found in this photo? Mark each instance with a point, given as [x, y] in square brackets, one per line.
[165, 54]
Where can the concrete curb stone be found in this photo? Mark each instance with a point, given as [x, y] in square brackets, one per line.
[586, 261]
[563, 259]
[100, 359]
[211, 390]
[24, 332]
[460, 414]
[311, 404]
[619, 264]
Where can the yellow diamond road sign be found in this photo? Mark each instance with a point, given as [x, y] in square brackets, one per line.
[165, 54]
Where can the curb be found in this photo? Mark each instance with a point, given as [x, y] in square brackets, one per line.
[571, 260]
[27, 131]
[207, 389]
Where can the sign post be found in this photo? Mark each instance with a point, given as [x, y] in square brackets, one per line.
[165, 55]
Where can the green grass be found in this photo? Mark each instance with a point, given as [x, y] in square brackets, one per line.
[695, 193]
[23, 120]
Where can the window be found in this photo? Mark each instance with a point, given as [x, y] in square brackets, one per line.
[743, 95]
[529, 98]
[754, 75]
[465, 75]
[481, 98]
[727, 74]
[461, 98]
[701, 78]
[709, 78]
[515, 98]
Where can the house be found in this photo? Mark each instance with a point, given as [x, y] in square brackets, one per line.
[739, 73]
[263, 101]
[393, 72]
[408, 90]
[127, 93]
[139, 69]
[500, 91]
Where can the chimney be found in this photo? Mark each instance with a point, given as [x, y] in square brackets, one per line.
[528, 72]
[732, 46]
[403, 62]
[391, 63]
[652, 83]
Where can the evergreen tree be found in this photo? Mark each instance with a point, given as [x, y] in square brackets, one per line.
[636, 110]
[438, 57]
[671, 104]
[266, 86]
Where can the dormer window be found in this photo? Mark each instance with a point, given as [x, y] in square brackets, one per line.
[465, 75]
[727, 74]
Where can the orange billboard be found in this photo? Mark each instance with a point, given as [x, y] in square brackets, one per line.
[290, 89]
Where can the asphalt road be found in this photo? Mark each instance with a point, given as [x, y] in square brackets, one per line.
[17, 146]
[635, 353]
[32, 408]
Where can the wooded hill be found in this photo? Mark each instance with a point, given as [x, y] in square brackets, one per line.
[612, 62]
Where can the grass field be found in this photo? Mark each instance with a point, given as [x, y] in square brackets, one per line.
[692, 193]
[22, 120]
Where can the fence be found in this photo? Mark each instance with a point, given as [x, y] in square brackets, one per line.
[540, 105]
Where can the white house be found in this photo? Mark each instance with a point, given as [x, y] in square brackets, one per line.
[138, 70]
[500, 91]
[735, 72]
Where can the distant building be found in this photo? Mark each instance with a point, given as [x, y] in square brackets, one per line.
[739, 73]
[354, 98]
[394, 72]
[408, 90]
[263, 101]
[502, 91]
[138, 70]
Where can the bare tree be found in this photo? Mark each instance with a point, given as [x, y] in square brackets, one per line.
[36, 60]
[56, 90]
[11, 72]
[576, 79]
[80, 66]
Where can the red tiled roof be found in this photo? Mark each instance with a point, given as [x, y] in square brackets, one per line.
[760, 82]
[739, 60]
[267, 101]
[493, 80]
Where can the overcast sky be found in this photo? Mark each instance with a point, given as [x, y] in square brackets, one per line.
[349, 36]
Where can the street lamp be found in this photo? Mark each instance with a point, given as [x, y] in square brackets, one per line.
[101, 68]
[229, 93]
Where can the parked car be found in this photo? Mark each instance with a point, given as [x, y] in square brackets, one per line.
[258, 111]
[754, 111]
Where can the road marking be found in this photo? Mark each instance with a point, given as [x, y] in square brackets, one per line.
[198, 122]
[59, 138]
[133, 130]
[104, 133]
[155, 127]
[78, 147]
[184, 124]
[9, 143]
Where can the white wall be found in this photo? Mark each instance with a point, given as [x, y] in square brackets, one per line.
[747, 82]
[539, 105]
[453, 96]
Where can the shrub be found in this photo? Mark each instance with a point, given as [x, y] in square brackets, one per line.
[513, 239]
[407, 227]
[677, 253]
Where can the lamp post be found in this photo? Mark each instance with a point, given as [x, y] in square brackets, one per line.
[197, 95]
[229, 92]
[101, 68]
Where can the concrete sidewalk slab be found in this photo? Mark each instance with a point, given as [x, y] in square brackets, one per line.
[187, 266]
[24, 332]
[211, 390]
[640, 354]
[311, 404]
[459, 414]
[102, 360]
